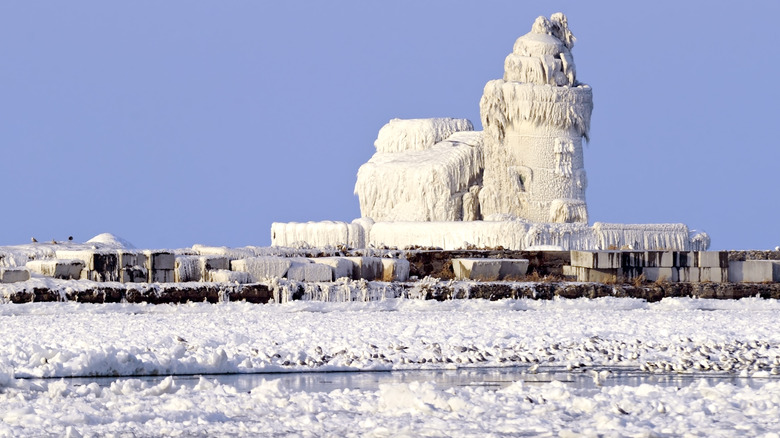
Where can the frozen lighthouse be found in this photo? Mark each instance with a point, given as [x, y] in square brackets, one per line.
[535, 119]
[517, 184]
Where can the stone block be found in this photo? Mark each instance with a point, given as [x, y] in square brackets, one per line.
[689, 274]
[570, 272]
[685, 259]
[102, 265]
[661, 273]
[196, 267]
[367, 268]
[66, 269]
[599, 259]
[592, 275]
[132, 266]
[131, 259]
[584, 259]
[714, 275]
[297, 271]
[659, 259]
[162, 276]
[629, 273]
[477, 269]
[317, 272]
[188, 268]
[135, 274]
[14, 275]
[160, 260]
[262, 267]
[712, 259]
[704, 275]
[226, 276]
[395, 270]
[341, 266]
[214, 262]
[752, 271]
[613, 275]
[632, 259]
[513, 269]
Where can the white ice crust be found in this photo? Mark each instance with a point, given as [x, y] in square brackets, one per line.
[421, 185]
[500, 232]
[688, 336]
[518, 184]
[403, 135]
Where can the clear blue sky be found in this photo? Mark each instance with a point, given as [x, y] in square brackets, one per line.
[171, 123]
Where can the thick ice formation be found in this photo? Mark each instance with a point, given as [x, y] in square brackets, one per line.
[434, 184]
[417, 134]
[518, 184]
[509, 234]
[534, 120]
[320, 234]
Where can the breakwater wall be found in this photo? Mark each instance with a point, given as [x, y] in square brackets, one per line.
[426, 289]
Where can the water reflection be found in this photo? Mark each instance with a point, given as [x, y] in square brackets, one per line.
[491, 378]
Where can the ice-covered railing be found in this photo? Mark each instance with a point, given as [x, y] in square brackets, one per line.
[421, 185]
[509, 234]
[321, 234]
[506, 103]
[649, 236]
[402, 135]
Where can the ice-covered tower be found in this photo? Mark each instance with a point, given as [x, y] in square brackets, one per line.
[534, 120]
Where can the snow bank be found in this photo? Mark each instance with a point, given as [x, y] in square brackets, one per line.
[403, 135]
[111, 241]
[421, 185]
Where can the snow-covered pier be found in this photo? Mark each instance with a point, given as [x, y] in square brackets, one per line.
[105, 271]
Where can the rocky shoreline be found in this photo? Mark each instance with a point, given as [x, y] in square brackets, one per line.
[427, 289]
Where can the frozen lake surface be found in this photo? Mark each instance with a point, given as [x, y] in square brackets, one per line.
[608, 366]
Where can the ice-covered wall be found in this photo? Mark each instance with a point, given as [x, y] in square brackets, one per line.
[535, 119]
[423, 184]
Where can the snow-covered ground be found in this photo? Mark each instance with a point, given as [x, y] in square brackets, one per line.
[588, 336]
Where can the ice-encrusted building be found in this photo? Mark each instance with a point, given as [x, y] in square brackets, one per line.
[518, 184]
